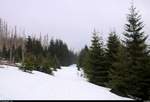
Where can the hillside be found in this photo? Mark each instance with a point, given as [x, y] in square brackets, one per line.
[66, 84]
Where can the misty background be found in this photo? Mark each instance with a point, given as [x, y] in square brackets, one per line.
[73, 21]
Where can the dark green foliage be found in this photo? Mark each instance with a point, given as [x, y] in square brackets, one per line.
[95, 69]
[64, 55]
[45, 58]
[125, 68]
[131, 74]
[127, 64]
[72, 57]
[137, 52]
[113, 45]
[38, 63]
[119, 72]
[29, 45]
[82, 58]
[56, 63]
[33, 46]
[28, 64]
[46, 66]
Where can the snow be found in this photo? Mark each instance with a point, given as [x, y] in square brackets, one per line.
[66, 84]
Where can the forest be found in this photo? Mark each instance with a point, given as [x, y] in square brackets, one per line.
[122, 65]
[34, 53]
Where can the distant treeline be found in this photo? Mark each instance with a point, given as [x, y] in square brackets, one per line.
[124, 64]
[33, 53]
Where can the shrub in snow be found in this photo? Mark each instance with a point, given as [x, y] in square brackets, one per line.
[28, 64]
[46, 66]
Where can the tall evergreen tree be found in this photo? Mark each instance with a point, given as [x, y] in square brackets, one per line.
[29, 45]
[113, 45]
[82, 57]
[56, 63]
[138, 54]
[119, 73]
[96, 71]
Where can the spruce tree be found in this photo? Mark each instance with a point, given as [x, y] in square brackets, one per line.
[96, 71]
[46, 66]
[113, 45]
[139, 70]
[82, 57]
[28, 64]
[29, 45]
[56, 64]
[119, 72]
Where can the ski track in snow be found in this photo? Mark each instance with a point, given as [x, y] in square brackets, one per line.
[66, 84]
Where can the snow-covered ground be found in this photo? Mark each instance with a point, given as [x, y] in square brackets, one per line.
[66, 84]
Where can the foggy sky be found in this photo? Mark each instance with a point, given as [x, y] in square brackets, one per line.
[72, 20]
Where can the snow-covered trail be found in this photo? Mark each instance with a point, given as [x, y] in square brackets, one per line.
[66, 84]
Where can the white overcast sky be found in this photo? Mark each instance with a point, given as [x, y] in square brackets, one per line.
[72, 20]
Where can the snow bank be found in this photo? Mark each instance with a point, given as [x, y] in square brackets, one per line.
[66, 84]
